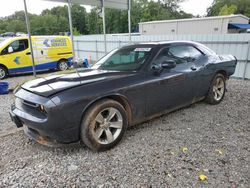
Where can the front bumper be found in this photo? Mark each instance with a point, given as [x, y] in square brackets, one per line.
[31, 133]
[44, 136]
[14, 118]
[47, 129]
[43, 140]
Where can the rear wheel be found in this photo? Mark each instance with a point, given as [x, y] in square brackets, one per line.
[104, 125]
[63, 65]
[217, 89]
[3, 73]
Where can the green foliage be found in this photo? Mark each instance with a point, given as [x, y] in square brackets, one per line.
[227, 10]
[56, 20]
[229, 6]
[48, 24]
[172, 4]
[15, 26]
[94, 21]
[79, 17]
[13, 23]
[76, 32]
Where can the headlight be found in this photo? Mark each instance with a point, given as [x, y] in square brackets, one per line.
[42, 108]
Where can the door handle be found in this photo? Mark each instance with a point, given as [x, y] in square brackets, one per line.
[193, 68]
[28, 53]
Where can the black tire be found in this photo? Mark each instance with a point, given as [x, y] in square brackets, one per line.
[3, 73]
[90, 127]
[63, 65]
[216, 94]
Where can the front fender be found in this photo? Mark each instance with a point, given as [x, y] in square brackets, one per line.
[115, 96]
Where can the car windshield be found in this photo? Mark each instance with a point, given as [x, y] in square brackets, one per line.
[124, 59]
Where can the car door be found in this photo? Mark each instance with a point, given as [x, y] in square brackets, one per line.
[194, 63]
[176, 87]
[204, 75]
[17, 56]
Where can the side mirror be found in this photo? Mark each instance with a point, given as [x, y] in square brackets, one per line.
[10, 49]
[168, 64]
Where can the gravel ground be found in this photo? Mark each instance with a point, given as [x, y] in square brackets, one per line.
[170, 151]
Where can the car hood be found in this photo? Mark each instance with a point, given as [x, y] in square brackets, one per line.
[53, 84]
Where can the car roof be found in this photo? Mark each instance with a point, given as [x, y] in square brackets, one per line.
[160, 43]
[201, 47]
[168, 42]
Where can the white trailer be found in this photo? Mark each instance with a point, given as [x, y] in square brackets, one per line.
[206, 25]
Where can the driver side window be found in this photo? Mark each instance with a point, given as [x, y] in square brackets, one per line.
[17, 46]
[178, 53]
[184, 53]
[162, 56]
[170, 53]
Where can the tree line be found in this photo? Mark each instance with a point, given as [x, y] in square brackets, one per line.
[227, 7]
[55, 20]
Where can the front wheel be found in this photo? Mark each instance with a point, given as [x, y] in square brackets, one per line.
[217, 89]
[3, 73]
[63, 65]
[104, 125]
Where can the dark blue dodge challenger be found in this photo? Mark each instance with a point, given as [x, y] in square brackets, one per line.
[129, 85]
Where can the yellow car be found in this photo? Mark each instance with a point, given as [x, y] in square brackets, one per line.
[50, 52]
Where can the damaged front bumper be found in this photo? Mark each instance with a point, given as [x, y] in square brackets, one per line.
[14, 118]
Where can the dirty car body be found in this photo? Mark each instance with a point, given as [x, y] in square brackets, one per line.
[51, 109]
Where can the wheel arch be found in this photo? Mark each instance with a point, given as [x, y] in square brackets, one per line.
[63, 59]
[1, 65]
[209, 98]
[223, 72]
[116, 97]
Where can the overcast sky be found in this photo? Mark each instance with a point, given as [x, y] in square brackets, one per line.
[36, 6]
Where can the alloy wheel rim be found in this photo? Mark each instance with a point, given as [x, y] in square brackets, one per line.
[218, 89]
[108, 125]
[63, 66]
[2, 73]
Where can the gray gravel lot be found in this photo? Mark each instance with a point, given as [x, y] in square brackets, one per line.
[216, 139]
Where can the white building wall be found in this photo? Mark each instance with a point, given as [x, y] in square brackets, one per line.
[187, 27]
[212, 25]
[200, 27]
[159, 28]
[238, 19]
